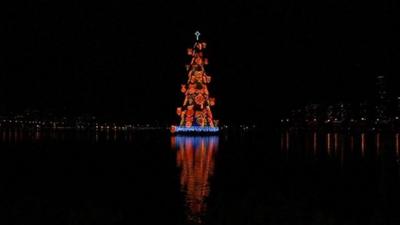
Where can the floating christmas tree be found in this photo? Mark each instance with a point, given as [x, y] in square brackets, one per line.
[195, 113]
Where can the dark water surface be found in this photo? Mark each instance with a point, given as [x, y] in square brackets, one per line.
[279, 177]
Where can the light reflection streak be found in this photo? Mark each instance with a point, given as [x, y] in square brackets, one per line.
[195, 157]
[342, 145]
[335, 136]
[362, 144]
[328, 143]
[315, 142]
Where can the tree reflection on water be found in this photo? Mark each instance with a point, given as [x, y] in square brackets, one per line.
[195, 157]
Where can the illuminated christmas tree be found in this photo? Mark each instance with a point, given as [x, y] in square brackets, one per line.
[195, 113]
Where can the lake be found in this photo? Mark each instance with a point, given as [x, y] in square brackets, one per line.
[151, 177]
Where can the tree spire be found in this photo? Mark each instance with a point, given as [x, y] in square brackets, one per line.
[197, 33]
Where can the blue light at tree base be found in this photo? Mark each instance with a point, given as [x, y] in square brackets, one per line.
[196, 129]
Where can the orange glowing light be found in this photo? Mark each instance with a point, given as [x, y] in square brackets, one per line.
[196, 158]
[328, 143]
[363, 144]
[335, 142]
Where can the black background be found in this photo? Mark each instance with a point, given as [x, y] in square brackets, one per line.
[126, 59]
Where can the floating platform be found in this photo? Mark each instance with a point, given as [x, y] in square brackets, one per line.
[194, 130]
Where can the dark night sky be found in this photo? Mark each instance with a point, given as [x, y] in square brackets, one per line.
[126, 59]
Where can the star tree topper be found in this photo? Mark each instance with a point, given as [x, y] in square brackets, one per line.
[197, 35]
